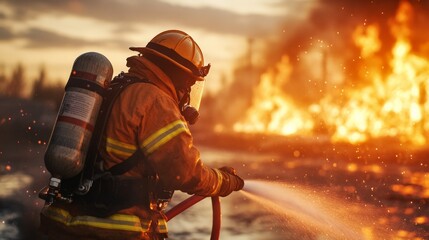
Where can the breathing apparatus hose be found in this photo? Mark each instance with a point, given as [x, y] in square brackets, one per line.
[187, 203]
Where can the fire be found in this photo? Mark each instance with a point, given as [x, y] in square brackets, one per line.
[273, 111]
[390, 107]
[390, 102]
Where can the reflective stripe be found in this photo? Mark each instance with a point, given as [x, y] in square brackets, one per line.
[114, 222]
[120, 148]
[163, 135]
[162, 226]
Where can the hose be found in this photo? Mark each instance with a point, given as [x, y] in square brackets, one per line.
[187, 203]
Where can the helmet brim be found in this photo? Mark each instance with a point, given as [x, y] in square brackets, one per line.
[147, 50]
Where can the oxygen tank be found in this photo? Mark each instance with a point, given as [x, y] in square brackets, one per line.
[68, 145]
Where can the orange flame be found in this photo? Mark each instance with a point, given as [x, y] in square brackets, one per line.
[273, 111]
[391, 105]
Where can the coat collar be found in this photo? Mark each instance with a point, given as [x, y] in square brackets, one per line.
[141, 67]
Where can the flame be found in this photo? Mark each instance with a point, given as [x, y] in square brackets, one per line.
[273, 111]
[390, 107]
[367, 39]
[392, 104]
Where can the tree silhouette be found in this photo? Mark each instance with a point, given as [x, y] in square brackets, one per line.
[3, 80]
[36, 92]
[16, 85]
[49, 93]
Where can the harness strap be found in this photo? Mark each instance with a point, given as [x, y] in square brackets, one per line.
[127, 164]
[85, 84]
[118, 84]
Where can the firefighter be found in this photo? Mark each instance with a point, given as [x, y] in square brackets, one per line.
[150, 117]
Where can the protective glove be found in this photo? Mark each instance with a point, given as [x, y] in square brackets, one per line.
[230, 181]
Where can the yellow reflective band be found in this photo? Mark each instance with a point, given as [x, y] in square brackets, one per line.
[120, 148]
[162, 226]
[163, 135]
[114, 222]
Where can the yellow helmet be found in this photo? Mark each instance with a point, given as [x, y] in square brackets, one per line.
[180, 49]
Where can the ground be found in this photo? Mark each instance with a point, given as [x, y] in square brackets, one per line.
[376, 190]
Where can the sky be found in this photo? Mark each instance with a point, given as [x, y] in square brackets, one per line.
[50, 34]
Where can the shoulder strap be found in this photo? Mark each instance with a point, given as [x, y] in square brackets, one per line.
[118, 84]
[127, 164]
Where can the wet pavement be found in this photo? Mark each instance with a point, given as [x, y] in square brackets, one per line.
[392, 194]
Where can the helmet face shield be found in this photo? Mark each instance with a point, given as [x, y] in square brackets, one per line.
[196, 94]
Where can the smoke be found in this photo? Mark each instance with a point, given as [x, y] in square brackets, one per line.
[322, 48]
[322, 51]
[333, 22]
[329, 30]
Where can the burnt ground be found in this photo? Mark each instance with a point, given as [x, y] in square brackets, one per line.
[383, 174]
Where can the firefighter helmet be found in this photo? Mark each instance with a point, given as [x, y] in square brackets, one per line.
[180, 49]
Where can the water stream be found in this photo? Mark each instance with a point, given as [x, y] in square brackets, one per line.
[318, 215]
